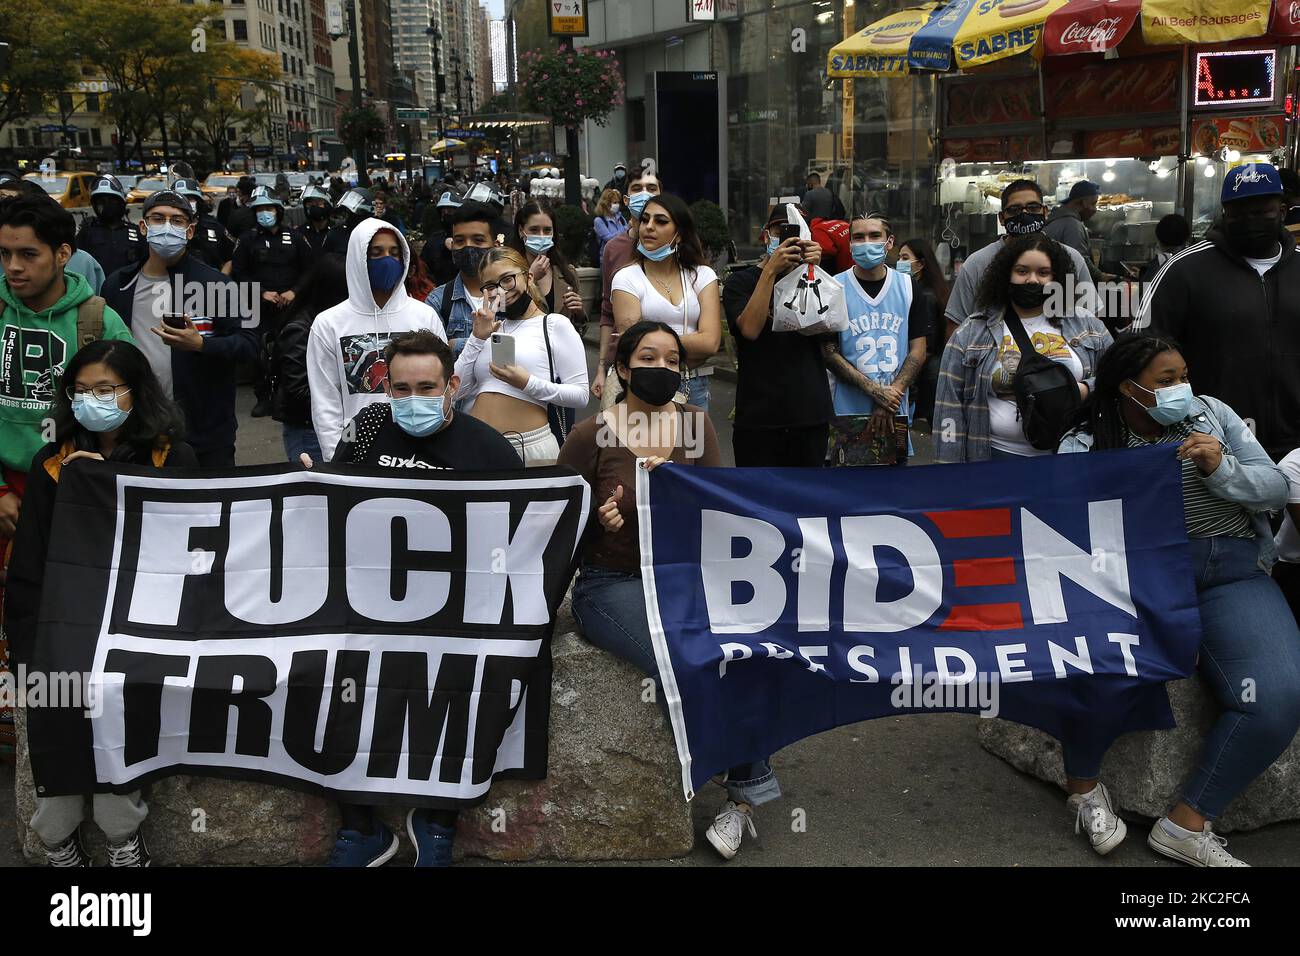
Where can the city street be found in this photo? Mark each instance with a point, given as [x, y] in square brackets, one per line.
[910, 791]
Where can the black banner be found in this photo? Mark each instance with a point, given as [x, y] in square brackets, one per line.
[372, 637]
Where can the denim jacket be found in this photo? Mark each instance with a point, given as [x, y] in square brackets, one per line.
[1246, 475]
[461, 321]
[961, 408]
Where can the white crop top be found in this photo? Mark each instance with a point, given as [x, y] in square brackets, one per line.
[655, 307]
[530, 352]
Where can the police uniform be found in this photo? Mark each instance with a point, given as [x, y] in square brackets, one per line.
[315, 238]
[275, 260]
[336, 241]
[114, 245]
[211, 243]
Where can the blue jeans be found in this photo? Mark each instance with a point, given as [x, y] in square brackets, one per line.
[609, 607]
[299, 439]
[697, 392]
[1250, 648]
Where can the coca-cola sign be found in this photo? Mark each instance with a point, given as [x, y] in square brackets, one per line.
[1095, 36]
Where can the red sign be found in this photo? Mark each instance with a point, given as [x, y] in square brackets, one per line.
[1105, 144]
[992, 101]
[1286, 20]
[1015, 149]
[1246, 134]
[1112, 87]
[1090, 26]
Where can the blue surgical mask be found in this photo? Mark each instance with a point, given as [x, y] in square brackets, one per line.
[904, 267]
[96, 416]
[419, 415]
[385, 272]
[167, 240]
[538, 244]
[773, 244]
[659, 255]
[266, 219]
[636, 203]
[868, 255]
[1173, 403]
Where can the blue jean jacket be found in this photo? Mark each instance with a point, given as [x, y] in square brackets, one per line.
[461, 321]
[1246, 475]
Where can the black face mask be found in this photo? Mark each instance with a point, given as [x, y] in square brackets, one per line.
[1025, 224]
[1255, 237]
[1028, 295]
[110, 209]
[467, 260]
[516, 309]
[318, 213]
[654, 384]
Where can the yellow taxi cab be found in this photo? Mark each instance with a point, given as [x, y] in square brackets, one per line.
[145, 187]
[215, 186]
[69, 190]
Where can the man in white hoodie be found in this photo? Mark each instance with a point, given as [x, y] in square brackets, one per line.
[345, 353]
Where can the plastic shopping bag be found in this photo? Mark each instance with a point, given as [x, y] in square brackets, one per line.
[808, 300]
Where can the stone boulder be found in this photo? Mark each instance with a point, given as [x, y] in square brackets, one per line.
[613, 791]
[1145, 771]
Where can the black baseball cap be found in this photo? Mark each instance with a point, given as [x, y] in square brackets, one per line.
[166, 197]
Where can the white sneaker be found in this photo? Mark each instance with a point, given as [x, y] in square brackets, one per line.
[729, 827]
[1095, 813]
[1200, 849]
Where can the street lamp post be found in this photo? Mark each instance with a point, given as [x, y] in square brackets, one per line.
[439, 82]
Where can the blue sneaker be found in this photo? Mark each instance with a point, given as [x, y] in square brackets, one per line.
[432, 840]
[356, 849]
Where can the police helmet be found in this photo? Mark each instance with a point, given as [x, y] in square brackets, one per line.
[188, 188]
[108, 186]
[357, 201]
[263, 197]
[314, 192]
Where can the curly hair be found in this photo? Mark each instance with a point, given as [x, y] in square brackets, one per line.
[1123, 361]
[993, 294]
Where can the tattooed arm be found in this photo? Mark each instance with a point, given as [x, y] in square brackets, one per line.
[842, 369]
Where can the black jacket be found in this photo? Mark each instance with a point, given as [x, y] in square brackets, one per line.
[113, 245]
[1239, 332]
[32, 542]
[291, 402]
[203, 383]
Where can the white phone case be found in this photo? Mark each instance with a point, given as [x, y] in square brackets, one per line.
[503, 349]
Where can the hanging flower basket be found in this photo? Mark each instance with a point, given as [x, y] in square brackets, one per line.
[571, 86]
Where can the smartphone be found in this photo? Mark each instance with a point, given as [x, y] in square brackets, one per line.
[788, 230]
[174, 320]
[503, 349]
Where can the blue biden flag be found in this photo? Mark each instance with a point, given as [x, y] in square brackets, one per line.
[1056, 591]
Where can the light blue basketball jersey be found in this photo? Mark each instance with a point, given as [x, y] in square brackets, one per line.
[876, 340]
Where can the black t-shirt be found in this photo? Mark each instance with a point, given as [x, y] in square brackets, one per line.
[465, 444]
[781, 376]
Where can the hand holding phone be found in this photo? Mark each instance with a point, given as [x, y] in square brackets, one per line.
[175, 320]
[503, 349]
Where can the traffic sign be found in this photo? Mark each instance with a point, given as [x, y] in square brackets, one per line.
[412, 113]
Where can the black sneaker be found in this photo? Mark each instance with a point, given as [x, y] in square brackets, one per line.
[262, 408]
[68, 853]
[131, 853]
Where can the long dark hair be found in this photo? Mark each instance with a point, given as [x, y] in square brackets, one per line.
[528, 211]
[690, 253]
[630, 341]
[1123, 361]
[322, 287]
[994, 291]
[931, 273]
[155, 420]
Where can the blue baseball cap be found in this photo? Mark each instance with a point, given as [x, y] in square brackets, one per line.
[1250, 180]
[1083, 189]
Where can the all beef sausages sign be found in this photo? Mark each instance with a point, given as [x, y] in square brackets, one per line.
[374, 638]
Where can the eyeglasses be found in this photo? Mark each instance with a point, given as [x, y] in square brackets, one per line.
[1033, 208]
[102, 393]
[178, 221]
[506, 283]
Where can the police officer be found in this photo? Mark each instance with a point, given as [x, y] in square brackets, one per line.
[486, 193]
[107, 236]
[276, 258]
[436, 255]
[211, 244]
[356, 205]
[316, 206]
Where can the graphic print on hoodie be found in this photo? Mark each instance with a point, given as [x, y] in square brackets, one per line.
[345, 352]
[34, 349]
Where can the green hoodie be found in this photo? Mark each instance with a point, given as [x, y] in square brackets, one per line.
[34, 348]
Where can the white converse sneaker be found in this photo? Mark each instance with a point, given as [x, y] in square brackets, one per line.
[1095, 814]
[728, 828]
[1200, 849]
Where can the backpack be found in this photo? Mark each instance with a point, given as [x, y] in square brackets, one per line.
[1047, 396]
[90, 321]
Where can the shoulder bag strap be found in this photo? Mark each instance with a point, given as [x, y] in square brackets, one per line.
[1018, 332]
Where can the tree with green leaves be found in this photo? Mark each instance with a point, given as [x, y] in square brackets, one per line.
[42, 60]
